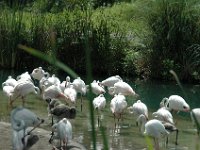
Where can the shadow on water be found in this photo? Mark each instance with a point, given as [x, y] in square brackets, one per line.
[127, 134]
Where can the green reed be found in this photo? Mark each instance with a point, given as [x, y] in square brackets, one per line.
[11, 27]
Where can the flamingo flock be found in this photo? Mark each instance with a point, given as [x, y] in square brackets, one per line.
[61, 98]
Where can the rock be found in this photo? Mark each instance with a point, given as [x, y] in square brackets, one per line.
[43, 143]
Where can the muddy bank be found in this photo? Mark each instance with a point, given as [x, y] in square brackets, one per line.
[43, 144]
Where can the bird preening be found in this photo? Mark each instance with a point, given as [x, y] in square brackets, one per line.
[61, 131]
[21, 120]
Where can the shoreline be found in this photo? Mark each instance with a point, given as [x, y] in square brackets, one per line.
[44, 135]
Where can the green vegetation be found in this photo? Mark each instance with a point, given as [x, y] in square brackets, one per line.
[133, 38]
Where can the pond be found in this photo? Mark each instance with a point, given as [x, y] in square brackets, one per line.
[127, 135]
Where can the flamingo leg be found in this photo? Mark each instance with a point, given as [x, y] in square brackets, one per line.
[51, 138]
[176, 142]
[114, 122]
[23, 101]
[23, 141]
[167, 141]
[60, 144]
[122, 118]
[52, 122]
[81, 102]
[65, 141]
[136, 123]
[9, 102]
[156, 144]
[98, 118]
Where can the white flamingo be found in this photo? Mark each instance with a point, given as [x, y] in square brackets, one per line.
[80, 87]
[65, 84]
[195, 117]
[21, 119]
[39, 73]
[62, 86]
[22, 142]
[118, 105]
[63, 132]
[176, 103]
[71, 93]
[163, 114]
[122, 88]
[110, 81]
[44, 83]
[54, 92]
[53, 80]
[8, 91]
[96, 88]
[99, 103]
[22, 89]
[155, 129]
[141, 121]
[9, 82]
[24, 76]
[139, 108]
[166, 118]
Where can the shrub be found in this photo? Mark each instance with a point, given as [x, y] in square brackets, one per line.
[175, 27]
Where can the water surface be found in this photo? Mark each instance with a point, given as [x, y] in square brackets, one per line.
[127, 135]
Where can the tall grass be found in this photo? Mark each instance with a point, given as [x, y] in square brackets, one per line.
[174, 25]
[11, 27]
[108, 38]
[143, 38]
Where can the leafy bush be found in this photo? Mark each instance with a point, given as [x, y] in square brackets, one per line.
[144, 38]
[175, 27]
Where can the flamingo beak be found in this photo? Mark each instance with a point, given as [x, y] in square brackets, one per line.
[187, 109]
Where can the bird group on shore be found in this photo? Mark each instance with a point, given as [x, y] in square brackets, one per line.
[61, 98]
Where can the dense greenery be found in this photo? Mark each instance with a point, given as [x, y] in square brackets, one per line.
[175, 37]
[143, 38]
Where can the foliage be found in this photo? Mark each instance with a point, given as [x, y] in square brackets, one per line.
[175, 27]
[191, 62]
[57, 6]
[167, 66]
[143, 38]
[11, 26]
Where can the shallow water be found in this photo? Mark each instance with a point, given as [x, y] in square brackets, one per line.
[127, 135]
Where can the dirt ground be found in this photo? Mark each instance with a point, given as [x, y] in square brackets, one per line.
[42, 144]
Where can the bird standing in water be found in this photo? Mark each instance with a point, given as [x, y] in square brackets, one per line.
[22, 89]
[99, 103]
[137, 109]
[155, 129]
[80, 87]
[118, 105]
[175, 103]
[195, 117]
